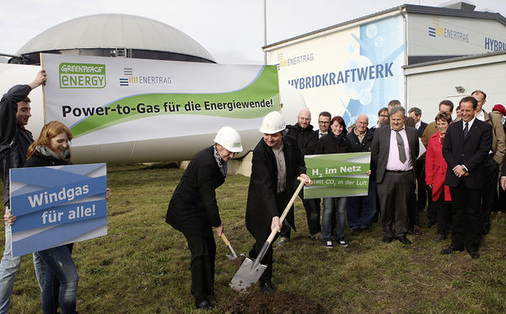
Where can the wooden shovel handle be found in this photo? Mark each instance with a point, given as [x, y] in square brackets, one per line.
[224, 238]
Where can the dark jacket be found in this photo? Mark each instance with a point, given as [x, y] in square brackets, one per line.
[380, 149]
[193, 204]
[14, 140]
[356, 146]
[421, 129]
[470, 152]
[262, 191]
[305, 138]
[40, 160]
[332, 144]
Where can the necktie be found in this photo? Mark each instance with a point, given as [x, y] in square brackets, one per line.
[400, 147]
[466, 129]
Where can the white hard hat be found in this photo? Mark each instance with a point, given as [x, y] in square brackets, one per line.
[273, 123]
[229, 138]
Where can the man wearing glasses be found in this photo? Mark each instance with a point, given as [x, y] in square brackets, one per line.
[323, 123]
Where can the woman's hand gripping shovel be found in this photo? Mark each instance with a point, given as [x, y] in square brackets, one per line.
[249, 272]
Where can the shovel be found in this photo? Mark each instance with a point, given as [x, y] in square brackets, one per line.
[234, 254]
[249, 272]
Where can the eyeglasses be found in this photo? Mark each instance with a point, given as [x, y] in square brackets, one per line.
[384, 115]
[324, 122]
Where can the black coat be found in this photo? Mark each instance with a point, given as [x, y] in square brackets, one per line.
[305, 138]
[421, 129]
[330, 144]
[470, 152]
[356, 146]
[39, 160]
[14, 140]
[380, 149]
[193, 204]
[262, 192]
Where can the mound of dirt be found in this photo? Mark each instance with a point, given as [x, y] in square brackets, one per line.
[276, 303]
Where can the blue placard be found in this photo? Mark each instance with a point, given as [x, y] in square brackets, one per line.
[57, 205]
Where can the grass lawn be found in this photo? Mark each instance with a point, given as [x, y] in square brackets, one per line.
[142, 265]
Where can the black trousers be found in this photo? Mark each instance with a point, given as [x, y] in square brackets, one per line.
[443, 213]
[281, 202]
[489, 192]
[394, 194]
[203, 253]
[466, 217]
[312, 207]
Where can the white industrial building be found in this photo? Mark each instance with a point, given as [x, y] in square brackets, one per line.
[416, 54]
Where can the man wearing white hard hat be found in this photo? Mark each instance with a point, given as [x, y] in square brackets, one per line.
[276, 164]
[193, 209]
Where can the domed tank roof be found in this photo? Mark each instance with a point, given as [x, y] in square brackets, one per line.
[115, 31]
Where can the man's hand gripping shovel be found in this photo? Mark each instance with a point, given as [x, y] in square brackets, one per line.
[249, 272]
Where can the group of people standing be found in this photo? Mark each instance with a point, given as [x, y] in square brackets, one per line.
[451, 172]
[460, 168]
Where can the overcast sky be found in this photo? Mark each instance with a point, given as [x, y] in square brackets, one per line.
[231, 30]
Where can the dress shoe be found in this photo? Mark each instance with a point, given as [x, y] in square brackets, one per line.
[404, 240]
[417, 230]
[355, 230]
[387, 239]
[204, 304]
[474, 254]
[451, 249]
[267, 287]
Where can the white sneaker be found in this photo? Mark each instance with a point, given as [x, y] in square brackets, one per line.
[342, 243]
[329, 245]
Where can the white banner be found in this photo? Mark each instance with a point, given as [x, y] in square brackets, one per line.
[114, 100]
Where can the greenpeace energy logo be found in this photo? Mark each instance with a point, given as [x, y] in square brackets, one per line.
[82, 75]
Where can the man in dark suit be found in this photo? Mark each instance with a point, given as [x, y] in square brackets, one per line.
[416, 114]
[393, 156]
[493, 160]
[465, 148]
[193, 209]
[303, 134]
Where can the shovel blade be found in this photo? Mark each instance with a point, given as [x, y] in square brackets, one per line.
[246, 275]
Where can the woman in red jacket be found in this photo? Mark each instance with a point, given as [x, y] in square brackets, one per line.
[435, 172]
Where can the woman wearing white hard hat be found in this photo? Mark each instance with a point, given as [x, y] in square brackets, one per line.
[193, 209]
[276, 164]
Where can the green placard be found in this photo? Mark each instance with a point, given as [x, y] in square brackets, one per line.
[337, 175]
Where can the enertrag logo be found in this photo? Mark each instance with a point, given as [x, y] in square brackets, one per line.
[82, 75]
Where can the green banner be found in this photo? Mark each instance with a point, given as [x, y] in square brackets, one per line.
[337, 175]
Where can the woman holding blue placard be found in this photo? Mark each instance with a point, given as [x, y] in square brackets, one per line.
[61, 278]
[332, 143]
